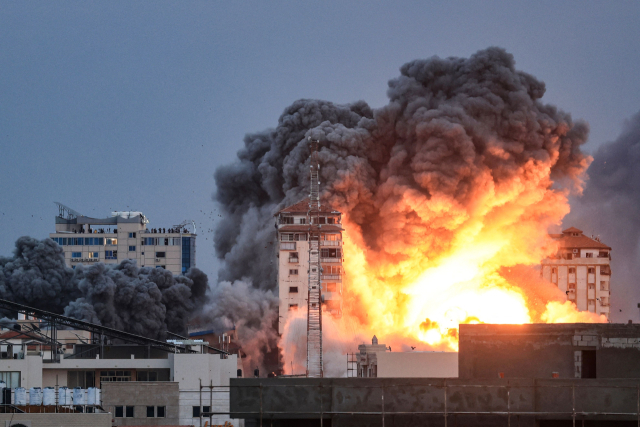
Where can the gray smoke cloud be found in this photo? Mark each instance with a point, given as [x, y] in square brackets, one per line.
[448, 123]
[145, 301]
[610, 208]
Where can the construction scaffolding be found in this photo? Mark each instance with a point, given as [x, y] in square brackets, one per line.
[314, 300]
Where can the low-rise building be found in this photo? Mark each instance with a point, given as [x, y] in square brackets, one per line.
[124, 235]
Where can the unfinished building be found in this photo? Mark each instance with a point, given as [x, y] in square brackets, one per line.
[517, 375]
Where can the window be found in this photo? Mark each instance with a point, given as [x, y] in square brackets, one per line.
[331, 220]
[117, 376]
[604, 286]
[160, 254]
[591, 270]
[293, 289]
[147, 376]
[293, 306]
[572, 285]
[554, 270]
[159, 266]
[286, 220]
[331, 269]
[93, 255]
[592, 286]
[330, 253]
[112, 242]
[293, 256]
[293, 272]
[110, 254]
[322, 220]
[572, 270]
[605, 269]
[302, 237]
[132, 235]
[119, 411]
[129, 411]
[288, 246]
[603, 254]
[151, 411]
[160, 411]
[11, 378]
[303, 220]
[76, 254]
[196, 410]
[588, 255]
[287, 237]
[132, 248]
[82, 379]
[331, 287]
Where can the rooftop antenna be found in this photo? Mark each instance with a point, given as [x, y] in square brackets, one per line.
[314, 302]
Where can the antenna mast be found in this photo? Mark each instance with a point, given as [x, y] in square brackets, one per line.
[314, 302]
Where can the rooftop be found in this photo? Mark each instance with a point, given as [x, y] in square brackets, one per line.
[574, 238]
[302, 207]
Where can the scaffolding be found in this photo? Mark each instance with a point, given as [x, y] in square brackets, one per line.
[314, 300]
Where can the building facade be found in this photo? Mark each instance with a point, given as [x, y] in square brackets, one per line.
[581, 269]
[123, 235]
[292, 225]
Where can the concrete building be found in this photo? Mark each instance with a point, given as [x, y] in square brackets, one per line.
[378, 361]
[535, 375]
[123, 235]
[293, 265]
[581, 269]
[143, 381]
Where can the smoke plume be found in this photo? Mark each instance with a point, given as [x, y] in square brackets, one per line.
[145, 301]
[459, 176]
[609, 208]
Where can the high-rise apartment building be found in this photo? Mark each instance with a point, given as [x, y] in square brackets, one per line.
[293, 265]
[123, 235]
[581, 269]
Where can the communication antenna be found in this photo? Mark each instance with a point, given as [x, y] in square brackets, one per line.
[314, 301]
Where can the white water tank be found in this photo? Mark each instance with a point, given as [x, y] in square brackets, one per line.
[20, 396]
[64, 396]
[93, 396]
[35, 396]
[49, 396]
[79, 396]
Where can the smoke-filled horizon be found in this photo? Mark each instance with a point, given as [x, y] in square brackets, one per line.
[610, 209]
[459, 175]
[146, 301]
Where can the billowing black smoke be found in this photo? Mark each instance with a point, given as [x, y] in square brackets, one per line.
[610, 208]
[449, 124]
[145, 301]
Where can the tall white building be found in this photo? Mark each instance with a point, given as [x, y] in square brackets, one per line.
[123, 235]
[293, 265]
[582, 270]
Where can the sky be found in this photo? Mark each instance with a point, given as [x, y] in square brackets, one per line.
[120, 105]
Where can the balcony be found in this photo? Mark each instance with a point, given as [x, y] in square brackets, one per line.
[330, 242]
[332, 277]
[293, 260]
[328, 260]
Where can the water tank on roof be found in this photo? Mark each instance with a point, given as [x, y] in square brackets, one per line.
[49, 396]
[93, 396]
[64, 396]
[35, 396]
[79, 396]
[20, 397]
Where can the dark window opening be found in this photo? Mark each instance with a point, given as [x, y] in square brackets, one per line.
[129, 412]
[160, 254]
[160, 412]
[119, 412]
[151, 412]
[293, 289]
[588, 364]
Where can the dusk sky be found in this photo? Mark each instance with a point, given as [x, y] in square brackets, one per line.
[132, 105]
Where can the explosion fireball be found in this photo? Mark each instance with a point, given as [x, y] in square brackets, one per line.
[448, 193]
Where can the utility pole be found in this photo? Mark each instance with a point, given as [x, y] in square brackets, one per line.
[314, 300]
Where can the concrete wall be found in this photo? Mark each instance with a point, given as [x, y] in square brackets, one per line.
[30, 369]
[140, 395]
[56, 420]
[424, 401]
[538, 350]
[428, 364]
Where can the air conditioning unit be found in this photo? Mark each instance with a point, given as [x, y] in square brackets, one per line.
[157, 259]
